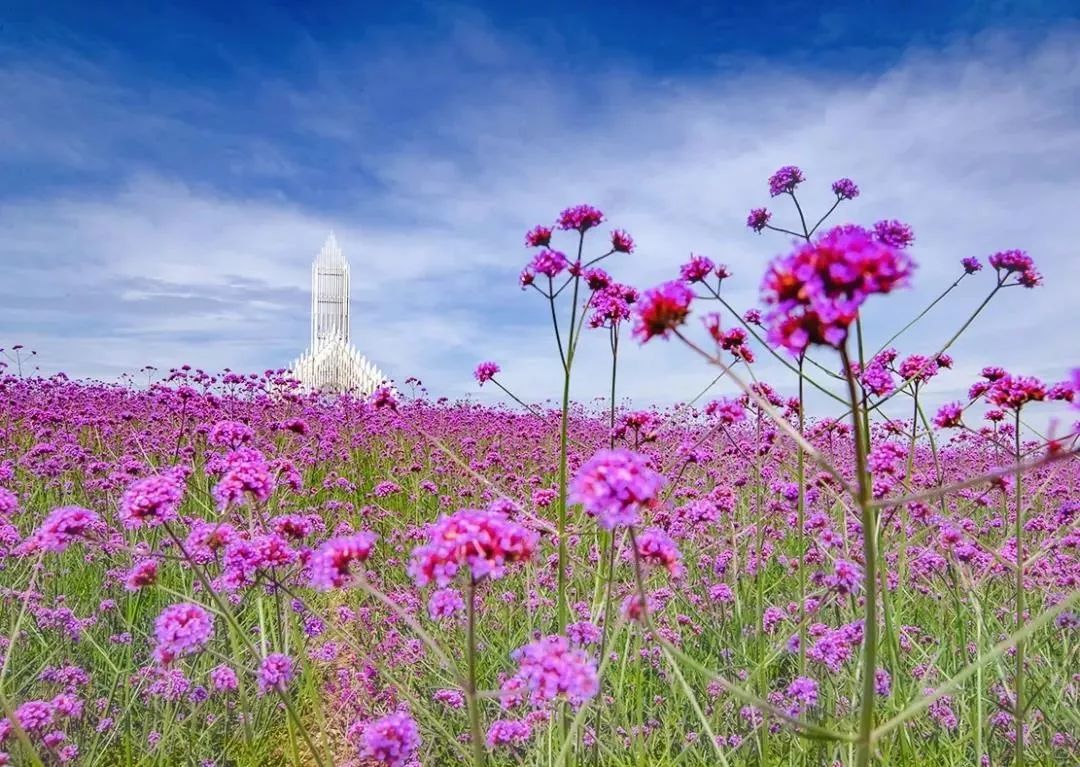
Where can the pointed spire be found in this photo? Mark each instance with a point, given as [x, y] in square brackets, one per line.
[331, 251]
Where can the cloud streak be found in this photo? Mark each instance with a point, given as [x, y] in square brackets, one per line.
[162, 231]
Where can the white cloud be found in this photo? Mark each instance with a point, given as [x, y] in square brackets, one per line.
[978, 147]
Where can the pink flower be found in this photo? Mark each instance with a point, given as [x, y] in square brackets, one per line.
[949, 416]
[621, 242]
[696, 269]
[62, 526]
[656, 547]
[391, 741]
[845, 189]
[614, 485]
[181, 629]
[153, 500]
[758, 219]
[508, 732]
[247, 475]
[483, 541]
[785, 180]
[538, 237]
[275, 673]
[485, 371]
[331, 563]
[661, 309]
[552, 668]
[580, 217]
[550, 263]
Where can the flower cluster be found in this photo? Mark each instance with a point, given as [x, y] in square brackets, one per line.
[391, 740]
[817, 290]
[181, 629]
[614, 486]
[153, 500]
[662, 309]
[483, 541]
[485, 371]
[330, 564]
[552, 668]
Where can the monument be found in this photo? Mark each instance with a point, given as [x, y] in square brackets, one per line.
[331, 364]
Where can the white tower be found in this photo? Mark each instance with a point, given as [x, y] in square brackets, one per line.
[331, 363]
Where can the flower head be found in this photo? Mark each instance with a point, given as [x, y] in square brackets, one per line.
[485, 371]
[181, 629]
[894, 233]
[817, 290]
[1018, 262]
[845, 189]
[970, 264]
[538, 237]
[785, 180]
[483, 541]
[655, 546]
[391, 741]
[331, 562]
[614, 485]
[275, 672]
[697, 269]
[552, 668]
[61, 527]
[758, 219]
[661, 309]
[580, 217]
[621, 242]
[153, 500]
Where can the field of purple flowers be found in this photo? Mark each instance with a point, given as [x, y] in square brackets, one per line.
[225, 570]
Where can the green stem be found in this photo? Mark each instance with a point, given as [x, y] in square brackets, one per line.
[869, 665]
[1019, 673]
[479, 755]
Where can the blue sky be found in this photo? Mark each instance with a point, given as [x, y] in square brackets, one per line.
[166, 176]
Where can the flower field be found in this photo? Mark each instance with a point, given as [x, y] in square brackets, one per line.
[221, 569]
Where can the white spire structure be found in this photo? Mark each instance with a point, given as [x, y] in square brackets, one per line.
[331, 363]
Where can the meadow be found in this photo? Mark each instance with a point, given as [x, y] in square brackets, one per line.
[222, 569]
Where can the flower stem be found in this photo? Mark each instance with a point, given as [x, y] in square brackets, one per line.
[479, 755]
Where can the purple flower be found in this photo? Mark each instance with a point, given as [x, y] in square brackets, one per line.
[483, 541]
[331, 563]
[485, 371]
[804, 691]
[662, 309]
[696, 269]
[785, 180]
[445, 603]
[614, 485]
[1017, 262]
[949, 416]
[392, 740]
[758, 219]
[971, 265]
[9, 503]
[62, 526]
[551, 668]
[550, 263]
[893, 233]
[845, 189]
[508, 732]
[275, 673]
[230, 434]
[580, 218]
[153, 500]
[248, 474]
[181, 629]
[538, 237]
[223, 679]
[655, 546]
[621, 242]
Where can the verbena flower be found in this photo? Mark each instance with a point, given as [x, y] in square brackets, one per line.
[153, 500]
[485, 371]
[275, 673]
[758, 219]
[508, 732]
[662, 309]
[61, 527]
[580, 218]
[181, 629]
[614, 486]
[786, 179]
[331, 564]
[391, 740]
[485, 542]
[552, 668]
[845, 189]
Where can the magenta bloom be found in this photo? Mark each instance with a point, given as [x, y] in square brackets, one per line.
[894, 233]
[916, 367]
[662, 309]
[275, 673]
[758, 219]
[223, 679]
[785, 180]
[817, 290]
[1016, 262]
[580, 217]
[392, 740]
[551, 668]
[485, 371]
[230, 434]
[949, 416]
[1013, 392]
[845, 189]
[181, 629]
[971, 265]
[804, 691]
[143, 573]
[248, 475]
[621, 242]
[550, 263]
[62, 526]
[445, 603]
[538, 237]
[330, 564]
[508, 732]
[9, 502]
[696, 269]
[614, 485]
[483, 541]
[153, 500]
[656, 547]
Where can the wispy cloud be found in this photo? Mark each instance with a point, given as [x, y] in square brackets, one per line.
[178, 226]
